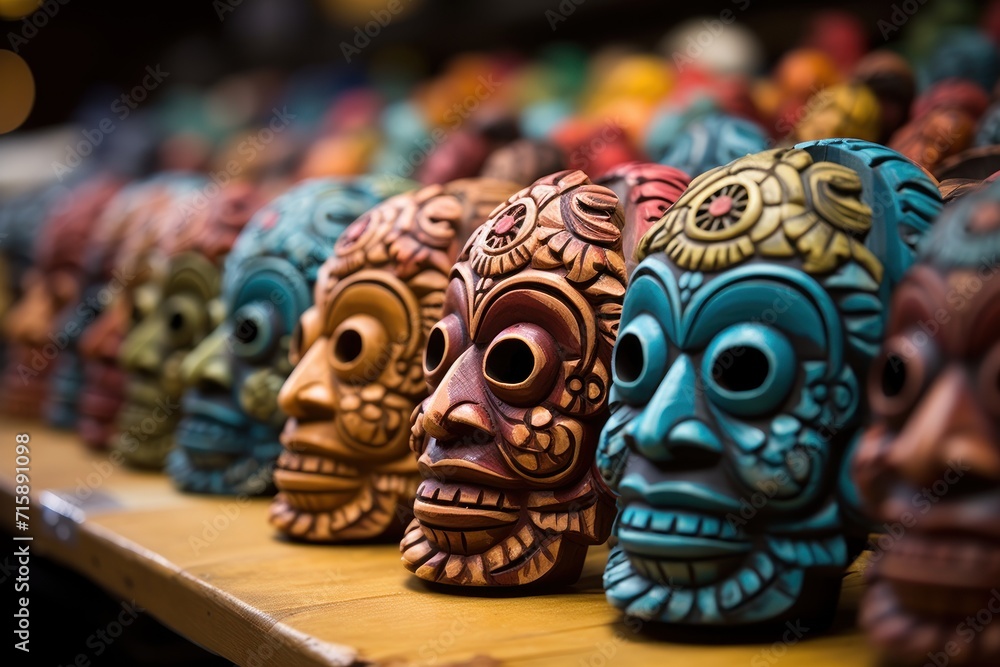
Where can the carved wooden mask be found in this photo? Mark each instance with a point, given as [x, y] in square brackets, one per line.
[346, 472]
[928, 467]
[227, 440]
[518, 368]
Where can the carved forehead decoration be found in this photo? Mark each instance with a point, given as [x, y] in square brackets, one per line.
[775, 204]
[562, 223]
[413, 236]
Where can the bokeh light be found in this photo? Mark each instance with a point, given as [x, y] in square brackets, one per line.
[15, 9]
[17, 90]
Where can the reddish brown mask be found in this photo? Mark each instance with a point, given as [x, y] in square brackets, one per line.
[928, 468]
[518, 372]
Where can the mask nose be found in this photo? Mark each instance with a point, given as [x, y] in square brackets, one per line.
[141, 351]
[206, 368]
[102, 340]
[307, 393]
[455, 409]
[668, 431]
[947, 429]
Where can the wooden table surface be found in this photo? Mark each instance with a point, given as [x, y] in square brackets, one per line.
[212, 569]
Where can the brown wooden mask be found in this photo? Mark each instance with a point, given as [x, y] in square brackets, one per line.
[518, 373]
[347, 472]
[928, 468]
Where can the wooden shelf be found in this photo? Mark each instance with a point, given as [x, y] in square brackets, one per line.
[238, 590]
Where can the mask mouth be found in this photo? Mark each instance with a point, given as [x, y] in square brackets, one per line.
[941, 573]
[316, 483]
[682, 547]
[323, 499]
[464, 518]
[211, 432]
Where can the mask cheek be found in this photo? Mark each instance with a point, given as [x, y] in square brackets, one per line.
[172, 378]
[259, 397]
[543, 445]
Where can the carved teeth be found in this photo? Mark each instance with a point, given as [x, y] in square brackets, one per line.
[810, 552]
[464, 495]
[673, 522]
[322, 465]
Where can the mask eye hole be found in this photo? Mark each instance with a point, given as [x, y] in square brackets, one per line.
[521, 364]
[629, 358]
[893, 376]
[185, 319]
[898, 376]
[639, 360]
[246, 330]
[360, 350]
[749, 369]
[348, 346]
[254, 332]
[445, 342]
[511, 362]
[436, 350]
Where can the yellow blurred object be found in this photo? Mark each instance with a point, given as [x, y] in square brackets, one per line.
[17, 91]
[638, 77]
[14, 9]
[844, 110]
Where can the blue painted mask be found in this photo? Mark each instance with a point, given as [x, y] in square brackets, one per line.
[736, 395]
[227, 440]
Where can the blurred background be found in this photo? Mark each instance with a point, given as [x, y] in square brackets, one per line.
[427, 89]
